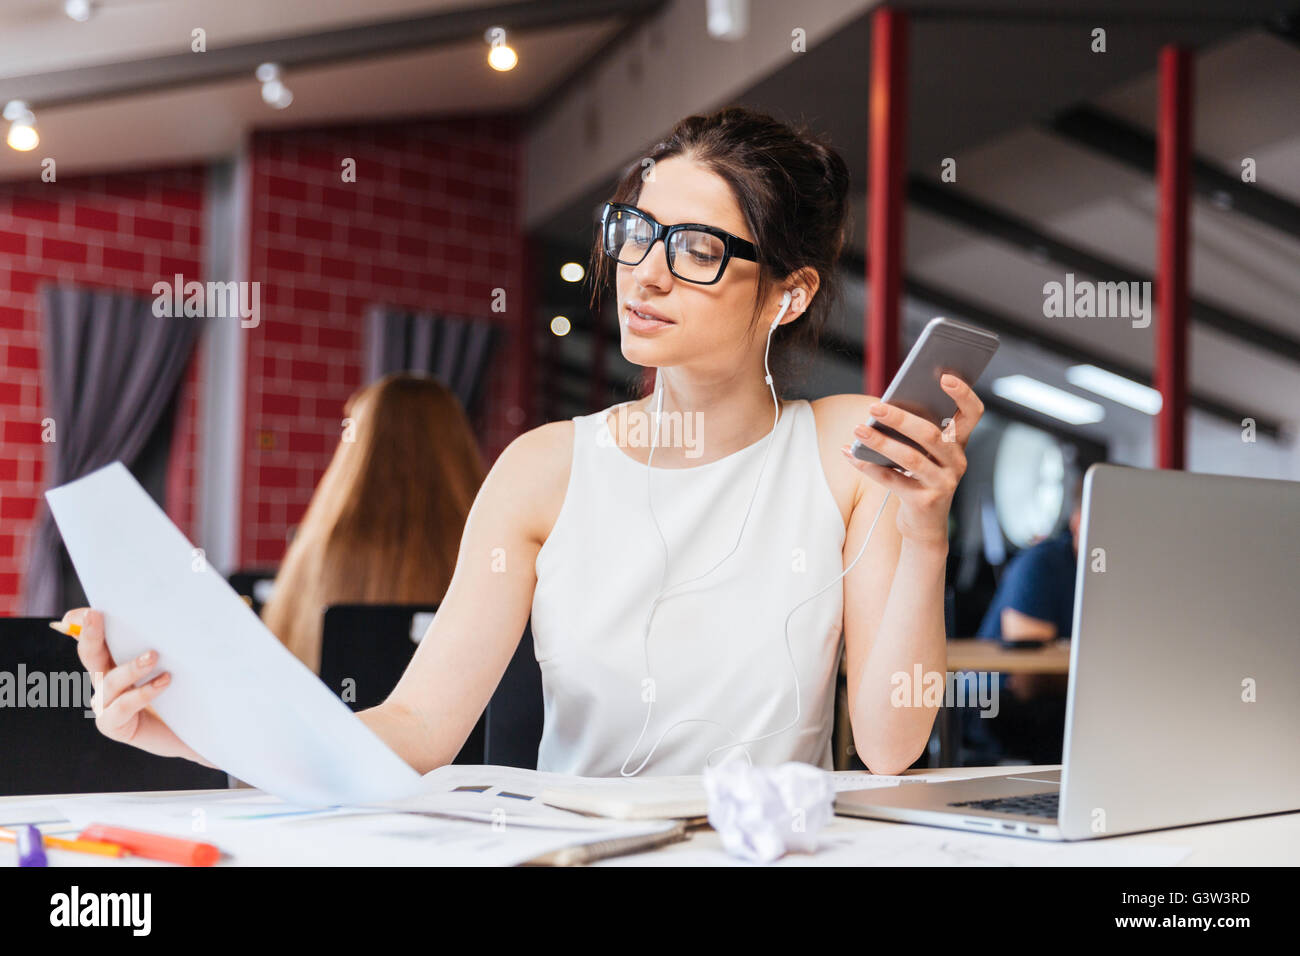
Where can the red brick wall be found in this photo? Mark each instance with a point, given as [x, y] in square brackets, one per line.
[183, 466]
[120, 231]
[429, 224]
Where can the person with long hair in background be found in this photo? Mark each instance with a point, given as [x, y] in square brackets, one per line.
[385, 521]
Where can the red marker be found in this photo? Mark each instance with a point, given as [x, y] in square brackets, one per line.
[154, 846]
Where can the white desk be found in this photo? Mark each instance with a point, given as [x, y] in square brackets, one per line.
[1257, 841]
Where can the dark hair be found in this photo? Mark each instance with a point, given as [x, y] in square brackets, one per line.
[792, 189]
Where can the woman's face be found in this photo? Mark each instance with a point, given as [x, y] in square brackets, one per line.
[708, 327]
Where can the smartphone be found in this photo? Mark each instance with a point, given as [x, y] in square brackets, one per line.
[944, 346]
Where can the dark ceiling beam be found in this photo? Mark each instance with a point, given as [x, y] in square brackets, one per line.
[1286, 27]
[943, 302]
[357, 42]
[583, 72]
[986, 220]
[1135, 148]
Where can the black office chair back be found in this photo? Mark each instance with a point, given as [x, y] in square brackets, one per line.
[252, 585]
[366, 647]
[514, 715]
[48, 744]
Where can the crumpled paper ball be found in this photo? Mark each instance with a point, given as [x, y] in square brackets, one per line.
[762, 813]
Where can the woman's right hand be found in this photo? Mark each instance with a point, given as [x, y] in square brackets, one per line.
[122, 711]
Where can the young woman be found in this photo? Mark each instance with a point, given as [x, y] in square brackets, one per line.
[660, 574]
[408, 440]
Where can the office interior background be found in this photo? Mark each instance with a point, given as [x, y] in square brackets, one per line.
[402, 203]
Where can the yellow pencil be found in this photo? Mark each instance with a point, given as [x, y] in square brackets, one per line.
[72, 630]
[85, 846]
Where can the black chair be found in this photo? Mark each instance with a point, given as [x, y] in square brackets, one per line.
[366, 647]
[250, 585]
[364, 650]
[49, 745]
[514, 714]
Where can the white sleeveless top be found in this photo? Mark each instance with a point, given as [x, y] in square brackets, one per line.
[717, 646]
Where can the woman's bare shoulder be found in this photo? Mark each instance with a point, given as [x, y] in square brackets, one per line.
[550, 443]
[836, 417]
[840, 413]
[531, 476]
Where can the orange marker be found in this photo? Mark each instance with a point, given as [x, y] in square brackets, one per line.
[72, 630]
[154, 846]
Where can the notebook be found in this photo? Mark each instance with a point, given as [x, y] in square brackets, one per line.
[670, 798]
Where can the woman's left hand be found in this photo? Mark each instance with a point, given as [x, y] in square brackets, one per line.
[925, 493]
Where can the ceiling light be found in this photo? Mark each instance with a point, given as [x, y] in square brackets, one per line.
[572, 272]
[1115, 387]
[274, 92]
[79, 10]
[1048, 400]
[560, 325]
[728, 19]
[501, 57]
[22, 126]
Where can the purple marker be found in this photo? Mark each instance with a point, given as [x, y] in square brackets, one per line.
[31, 847]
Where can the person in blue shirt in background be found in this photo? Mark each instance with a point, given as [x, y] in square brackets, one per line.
[1034, 604]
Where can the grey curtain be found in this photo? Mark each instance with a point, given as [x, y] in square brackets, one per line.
[456, 351]
[111, 373]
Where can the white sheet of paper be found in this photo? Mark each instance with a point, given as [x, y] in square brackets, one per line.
[254, 829]
[237, 695]
[505, 796]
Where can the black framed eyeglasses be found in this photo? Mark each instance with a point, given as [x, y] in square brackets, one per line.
[696, 252]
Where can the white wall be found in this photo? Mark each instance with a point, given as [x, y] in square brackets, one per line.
[1216, 447]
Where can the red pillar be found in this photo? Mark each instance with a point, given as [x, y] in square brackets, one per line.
[886, 171]
[1173, 177]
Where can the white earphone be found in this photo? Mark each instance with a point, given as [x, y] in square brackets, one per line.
[665, 592]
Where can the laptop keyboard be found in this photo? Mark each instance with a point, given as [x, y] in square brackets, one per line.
[1029, 805]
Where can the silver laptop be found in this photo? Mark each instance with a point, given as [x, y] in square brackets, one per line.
[1184, 699]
